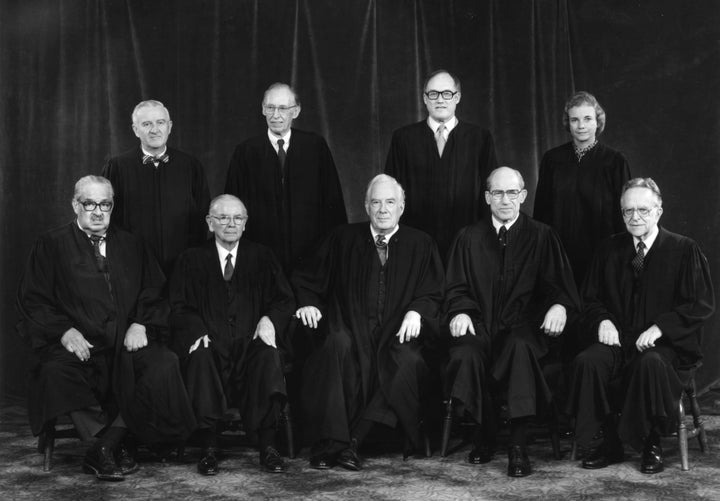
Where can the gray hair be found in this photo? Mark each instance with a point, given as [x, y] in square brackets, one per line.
[150, 103]
[517, 173]
[225, 197]
[278, 85]
[643, 182]
[383, 178]
[87, 180]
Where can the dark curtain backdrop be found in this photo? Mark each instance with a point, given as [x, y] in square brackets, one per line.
[72, 70]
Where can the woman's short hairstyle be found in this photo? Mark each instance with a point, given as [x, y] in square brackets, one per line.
[584, 98]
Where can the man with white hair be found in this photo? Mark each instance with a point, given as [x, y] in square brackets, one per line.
[373, 292]
[160, 193]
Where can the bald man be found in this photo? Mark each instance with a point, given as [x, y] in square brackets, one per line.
[228, 299]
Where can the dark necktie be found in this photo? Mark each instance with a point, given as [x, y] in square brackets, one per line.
[440, 139]
[99, 258]
[281, 158]
[639, 259]
[502, 236]
[381, 246]
[228, 273]
[149, 159]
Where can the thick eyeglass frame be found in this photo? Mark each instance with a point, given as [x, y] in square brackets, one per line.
[511, 194]
[269, 110]
[225, 220]
[642, 212]
[435, 94]
[89, 205]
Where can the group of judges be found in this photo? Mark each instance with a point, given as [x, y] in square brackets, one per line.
[382, 321]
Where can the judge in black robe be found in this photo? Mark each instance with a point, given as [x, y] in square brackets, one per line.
[504, 293]
[234, 366]
[160, 193]
[446, 190]
[579, 185]
[294, 202]
[644, 328]
[95, 327]
[368, 366]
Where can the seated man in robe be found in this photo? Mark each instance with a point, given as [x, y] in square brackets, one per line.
[229, 298]
[91, 306]
[373, 292]
[647, 295]
[509, 288]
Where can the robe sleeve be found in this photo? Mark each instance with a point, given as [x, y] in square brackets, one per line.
[543, 193]
[311, 282]
[278, 299]
[333, 202]
[620, 175]
[42, 317]
[694, 299]
[201, 197]
[394, 161]
[458, 294]
[186, 322]
[151, 309]
[557, 284]
[428, 294]
[235, 181]
[110, 172]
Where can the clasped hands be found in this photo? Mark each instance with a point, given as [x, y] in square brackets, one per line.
[409, 329]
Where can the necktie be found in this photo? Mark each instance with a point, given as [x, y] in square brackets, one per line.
[502, 236]
[99, 258]
[149, 159]
[381, 246]
[228, 273]
[440, 139]
[281, 158]
[639, 259]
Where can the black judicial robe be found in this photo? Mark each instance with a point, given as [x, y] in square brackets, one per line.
[337, 282]
[62, 288]
[202, 303]
[673, 292]
[165, 205]
[288, 217]
[507, 297]
[444, 193]
[581, 200]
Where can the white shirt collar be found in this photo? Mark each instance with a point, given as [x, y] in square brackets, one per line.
[387, 235]
[649, 240]
[449, 125]
[154, 154]
[497, 224]
[274, 139]
[223, 253]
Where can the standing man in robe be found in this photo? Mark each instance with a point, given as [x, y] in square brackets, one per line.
[373, 292]
[160, 193]
[509, 288]
[91, 306]
[443, 162]
[647, 295]
[229, 298]
[288, 180]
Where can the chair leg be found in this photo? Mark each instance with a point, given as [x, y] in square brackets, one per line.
[573, 451]
[682, 437]
[289, 431]
[447, 426]
[555, 440]
[46, 446]
[698, 422]
[426, 442]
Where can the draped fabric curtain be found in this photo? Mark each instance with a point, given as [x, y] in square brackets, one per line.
[72, 70]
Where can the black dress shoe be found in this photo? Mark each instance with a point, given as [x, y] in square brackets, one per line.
[608, 452]
[652, 459]
[101, 461]
[125, 460]
[321, 462]
[270, 460]
[348, 458]
[518, 462]
[481, 454]
[208, 464]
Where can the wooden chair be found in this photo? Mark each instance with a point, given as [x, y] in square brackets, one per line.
[47, 437]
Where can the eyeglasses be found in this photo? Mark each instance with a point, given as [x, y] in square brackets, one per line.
[223, 220]
[446, 94]
[642, 212]
[511, 194]
[90, 206]
[283, 110]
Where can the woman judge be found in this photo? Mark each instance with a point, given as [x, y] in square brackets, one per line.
[578, 191]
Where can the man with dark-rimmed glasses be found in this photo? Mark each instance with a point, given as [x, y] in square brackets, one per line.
[91, 306]
[647, 295]
[443, 163]
[229, 302]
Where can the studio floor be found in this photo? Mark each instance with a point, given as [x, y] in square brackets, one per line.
[385, 475]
